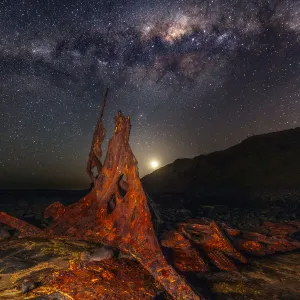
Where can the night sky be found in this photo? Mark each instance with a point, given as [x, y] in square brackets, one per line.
[195, 77]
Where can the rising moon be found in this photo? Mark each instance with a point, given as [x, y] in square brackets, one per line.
[154, 164]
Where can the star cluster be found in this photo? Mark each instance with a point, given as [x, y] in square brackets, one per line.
[195, 77]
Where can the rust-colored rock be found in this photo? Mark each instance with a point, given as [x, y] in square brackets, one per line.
[184, 257]
[220, 243]
[280, 230]
[188, 260]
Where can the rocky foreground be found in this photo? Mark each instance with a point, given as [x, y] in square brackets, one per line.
[56, 269]
[53, 269]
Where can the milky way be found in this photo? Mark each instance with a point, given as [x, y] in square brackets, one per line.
[195, 77]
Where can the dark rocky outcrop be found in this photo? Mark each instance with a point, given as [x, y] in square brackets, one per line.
[261, 167]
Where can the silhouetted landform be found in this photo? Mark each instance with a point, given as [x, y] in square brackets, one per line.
[262, 167]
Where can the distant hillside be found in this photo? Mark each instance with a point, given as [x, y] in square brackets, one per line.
[269, 160]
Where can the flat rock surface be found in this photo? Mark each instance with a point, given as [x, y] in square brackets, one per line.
[272, 277]
[53, 269]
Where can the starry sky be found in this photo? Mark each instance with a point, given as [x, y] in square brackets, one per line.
[195, 77]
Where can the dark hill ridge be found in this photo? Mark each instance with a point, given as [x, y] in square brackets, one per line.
[269, 160]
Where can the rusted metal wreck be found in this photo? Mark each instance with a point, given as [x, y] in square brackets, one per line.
[112, 215]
